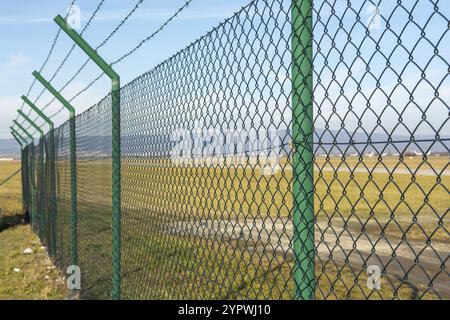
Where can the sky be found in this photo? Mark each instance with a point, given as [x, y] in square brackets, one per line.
[27, 31]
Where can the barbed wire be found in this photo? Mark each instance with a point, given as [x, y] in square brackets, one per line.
[136, 6]
[112, 33]
[132, 51]
[151, 36]
[52, 47]
[72, 48]
[97, 9]
[10, 177]
[120, 59]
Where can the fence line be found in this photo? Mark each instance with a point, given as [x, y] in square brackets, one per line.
[52, 47]
[338, 116]
[9, 177]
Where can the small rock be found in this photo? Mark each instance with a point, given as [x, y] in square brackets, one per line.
[47, 277]
[16, 270]
[28, 251]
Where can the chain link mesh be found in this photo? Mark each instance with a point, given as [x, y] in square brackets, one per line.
[209, 171]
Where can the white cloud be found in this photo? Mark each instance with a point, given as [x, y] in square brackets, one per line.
[8, 107]
[15, 60]
[24, 19]
[159, 15]
[217, 12]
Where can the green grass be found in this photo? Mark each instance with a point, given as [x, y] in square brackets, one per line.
[11, 191]
[238, 193]
[182, 269]
[30, 282]
[156, 192]
[160, 265]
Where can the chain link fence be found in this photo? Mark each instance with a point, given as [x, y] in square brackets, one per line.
[10, 188]
[299, 150]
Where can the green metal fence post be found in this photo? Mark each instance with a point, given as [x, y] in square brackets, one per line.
[18, 137]
[73, 163]
[41, 169]
[24, 130]
[52, 246]
[302, 134]
[20, 142]
[25, 179]
[42, 185]
[33, 187]
[116, 145]
[30, 175]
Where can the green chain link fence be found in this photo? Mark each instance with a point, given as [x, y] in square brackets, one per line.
[298, 150]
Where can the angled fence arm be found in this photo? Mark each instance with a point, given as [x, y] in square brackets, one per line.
[55, 93]
[18, 136]
[116, 145]
[39, 112]
[20, 142]
[18, 125]
[52, 246]
[73, 163]
[31, 122]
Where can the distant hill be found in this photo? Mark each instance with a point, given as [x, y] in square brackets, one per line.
[335, 142]
[9, 149]
[325, 141]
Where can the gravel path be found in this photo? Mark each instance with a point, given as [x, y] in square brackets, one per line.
[397, 256]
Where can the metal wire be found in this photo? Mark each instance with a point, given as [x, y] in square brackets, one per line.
[151, 36]
[210, 164]
[130, 52]
[91, 18]
[71, 50]
[111, 34]
[45, 61]
[9, 177]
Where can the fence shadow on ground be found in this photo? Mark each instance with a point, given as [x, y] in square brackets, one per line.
[10, 221]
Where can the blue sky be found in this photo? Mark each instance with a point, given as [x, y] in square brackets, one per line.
[27, 31]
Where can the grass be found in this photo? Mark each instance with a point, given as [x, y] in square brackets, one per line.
[36, 278]
[176, 268]
[157, 264]
[11, 191]
[158, 194]
[416, 205]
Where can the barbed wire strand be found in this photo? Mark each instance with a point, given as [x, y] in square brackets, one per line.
[97, 9]
[73, 47]
[123, 57]
[132, 51]
[10, 177]
[52, 47]
[111, 34]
